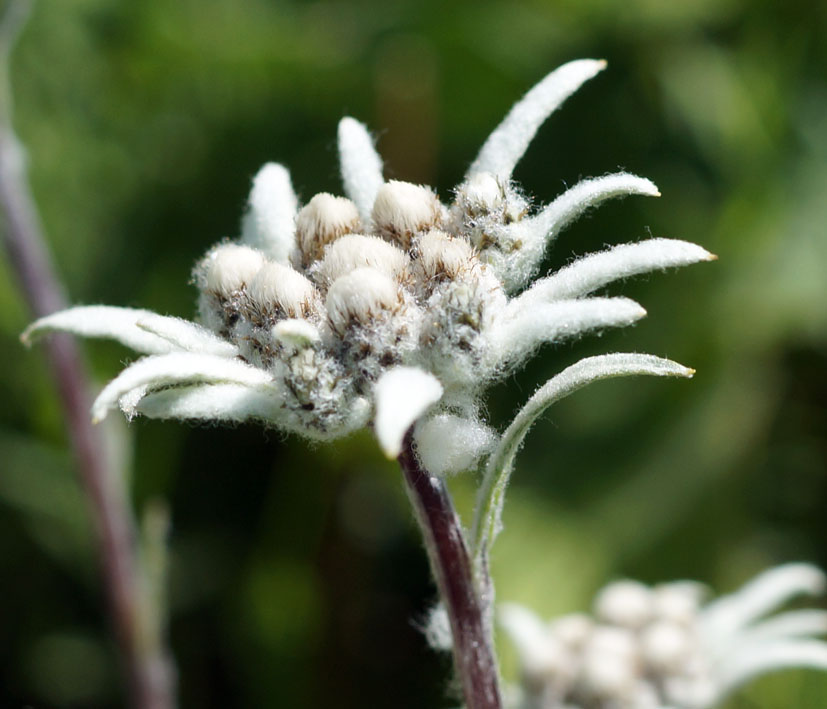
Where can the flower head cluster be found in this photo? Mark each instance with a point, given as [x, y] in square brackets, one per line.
[662, 647]
[371, 308]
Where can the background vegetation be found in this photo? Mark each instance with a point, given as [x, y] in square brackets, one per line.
[297, 579]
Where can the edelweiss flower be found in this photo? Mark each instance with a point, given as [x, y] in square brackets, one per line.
[378, 307]
[656, 648]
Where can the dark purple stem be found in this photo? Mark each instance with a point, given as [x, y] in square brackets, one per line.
[451, 565]
[149, 674]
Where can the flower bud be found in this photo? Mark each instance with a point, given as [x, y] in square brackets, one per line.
[482, 193]
[321, 221]
[573, 629]
[402, 209]
[443, 255]
[228, 268]
[679, 601]
[279, 291]
[357, 251]
[665, 647]
[609, 664]
[361, 295]
[626, 603]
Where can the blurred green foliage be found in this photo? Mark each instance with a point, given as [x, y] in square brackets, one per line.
[297, 578]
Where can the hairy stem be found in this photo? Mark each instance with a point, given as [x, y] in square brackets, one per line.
[148, 670]
[451, 565]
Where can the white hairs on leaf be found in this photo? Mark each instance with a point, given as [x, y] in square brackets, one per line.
[509, 141]
[763, 594]
[176, 368]
[759, 659]
[519, 330]
[213, 402]
[361, 166]
[269, 223]
[585, 194]
[120, 324]
[447, 444]
[187, 336]
[488, 511]
[402, 395]
[589, 273]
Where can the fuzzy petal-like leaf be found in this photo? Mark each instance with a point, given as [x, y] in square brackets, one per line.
[488, 513]
[589, 273]
[402, 394]
[792, 624]
[187, 336]
[509, 141]
[361, 166]
[763, 658]
[584, 195]
[769, 590]
[519, 330]
[270, 221]
[176, 368]
[213, 402]
[120, 324]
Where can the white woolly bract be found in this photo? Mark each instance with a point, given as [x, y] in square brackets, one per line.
[588, 193]
[321, 221]
[361, 166]
[120, 324]
[488, 513]
[589, 273]
[401, 209]
[517, 331]
[214, 402]
[402, 395]
[186, 336]
[786, 626]
[447, 444]
[762, 659]
[295, 332]
[176, 368]
[507, 144]
[356, 251]
[269, 223]
[229, 267]
[361, 295]
[277, 286]
[763, 594]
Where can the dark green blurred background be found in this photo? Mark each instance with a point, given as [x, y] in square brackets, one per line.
[297, 576]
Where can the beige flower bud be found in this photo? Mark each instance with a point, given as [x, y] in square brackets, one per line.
[480, 194]
[280, 291]
[626, 603]
[402, 209]
[443, 255]
[321, 221]
[228, 268]
[357, 251]
[361, 295]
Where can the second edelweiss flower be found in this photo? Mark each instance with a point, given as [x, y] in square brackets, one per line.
[662, 647]
[385, 305]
